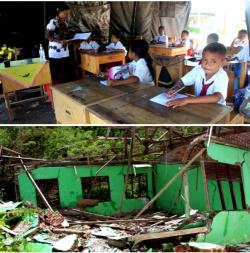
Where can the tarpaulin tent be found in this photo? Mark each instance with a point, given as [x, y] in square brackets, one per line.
[131, 18]
[247, 13]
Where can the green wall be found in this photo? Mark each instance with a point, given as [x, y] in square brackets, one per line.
[70, 189]
[170, 201]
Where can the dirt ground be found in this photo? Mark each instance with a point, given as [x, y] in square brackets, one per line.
[38, 112]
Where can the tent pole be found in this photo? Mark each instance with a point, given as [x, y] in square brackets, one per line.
[133, 21]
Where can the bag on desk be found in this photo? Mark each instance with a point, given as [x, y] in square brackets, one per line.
[119, 72]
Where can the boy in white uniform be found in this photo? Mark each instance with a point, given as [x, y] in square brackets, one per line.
[241, 40]
[116, 43]
[209, 79]
[184, 41]
[243, 55]
[161, 38]
[89, 44]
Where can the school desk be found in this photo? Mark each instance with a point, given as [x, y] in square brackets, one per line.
[23, 74]
[136, 108]
[163, 50]
[71, 99]
[91, 61]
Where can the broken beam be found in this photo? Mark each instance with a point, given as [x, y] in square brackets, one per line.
[161, 235]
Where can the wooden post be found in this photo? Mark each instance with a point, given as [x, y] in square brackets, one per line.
[186, 194]
[208, 205]
[128, 168]
[35, 184]
[169, 183]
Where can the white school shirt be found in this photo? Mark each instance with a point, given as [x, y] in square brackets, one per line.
[220, 79]
[53, 53]
[89, 45]
[243, 55]
[140, 69]
[161, 38]
[187, 42]
[240, 43]
[117, 45]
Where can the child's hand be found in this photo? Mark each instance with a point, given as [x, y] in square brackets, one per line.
[177, 102]
[171, 92]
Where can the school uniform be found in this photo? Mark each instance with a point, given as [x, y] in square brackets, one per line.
[140, 69]
[217, 83]
[186, 42]
[92, 45]
[243, 55]
[58, 54]
[118, 45]
[161, 38]
[240, 43]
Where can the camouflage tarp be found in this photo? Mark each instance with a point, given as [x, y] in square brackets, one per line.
[91, 18]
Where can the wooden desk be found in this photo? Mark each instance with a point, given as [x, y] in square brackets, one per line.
[137, 109]
[162, 50]
[23, 75]
[71, 99]
[91, 61]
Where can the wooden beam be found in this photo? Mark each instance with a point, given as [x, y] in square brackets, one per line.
[208, 204]
[162, 235]
[169, 183]
[186, 194]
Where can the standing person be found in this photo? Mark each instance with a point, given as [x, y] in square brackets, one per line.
[57, 32]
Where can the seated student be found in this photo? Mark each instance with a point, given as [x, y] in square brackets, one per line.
[89, 44]
[211, 38]
[241, 40]
[161, 38]
[243, 55]
[209, 79]
[116, 43]
[184, 41]
[141, 66]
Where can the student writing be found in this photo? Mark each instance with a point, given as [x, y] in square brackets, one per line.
[209, 79]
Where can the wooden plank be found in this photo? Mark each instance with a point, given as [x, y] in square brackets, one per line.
[186, 194]
[162, 235]
[203, 170]
[140, 110]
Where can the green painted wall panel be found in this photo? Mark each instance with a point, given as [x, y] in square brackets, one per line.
[70, 188]
[228, 228]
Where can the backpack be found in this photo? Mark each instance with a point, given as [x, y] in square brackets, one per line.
[165, 79]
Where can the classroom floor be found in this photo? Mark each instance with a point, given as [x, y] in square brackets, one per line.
[38, 112]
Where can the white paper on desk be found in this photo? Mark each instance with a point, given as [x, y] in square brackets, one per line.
[104, 82]
[163, 99]
[80, 36]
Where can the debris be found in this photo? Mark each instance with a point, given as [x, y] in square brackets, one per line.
[206, 247]
[35, 247]
[66, 243]
[8, 230]
[9, 206]
[54, 219]
[108, 232]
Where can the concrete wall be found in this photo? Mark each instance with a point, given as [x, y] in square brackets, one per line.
[70, 188]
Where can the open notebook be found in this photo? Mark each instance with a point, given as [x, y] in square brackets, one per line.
[163, 99]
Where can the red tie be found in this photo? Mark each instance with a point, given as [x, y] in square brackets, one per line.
[205, 87]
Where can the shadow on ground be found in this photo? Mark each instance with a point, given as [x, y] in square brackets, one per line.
[38, 112]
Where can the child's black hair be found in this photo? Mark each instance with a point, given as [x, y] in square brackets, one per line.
[242, 31]
[117, 34]
[216, 47]
[63, 7]
[140, 48]
[161, 27]
[185, 31]
[213, 36]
